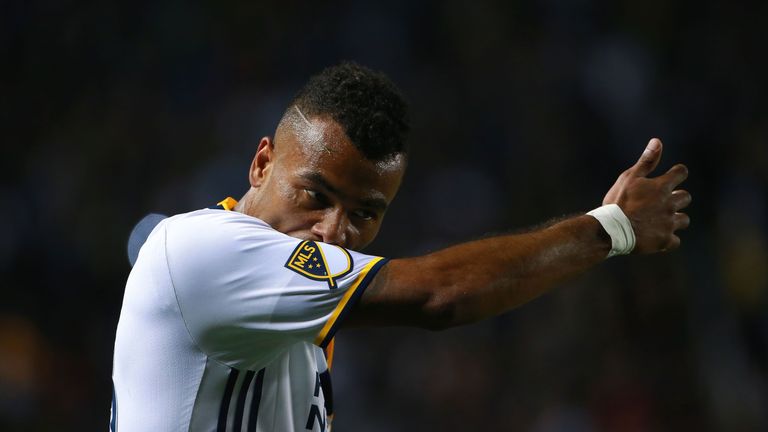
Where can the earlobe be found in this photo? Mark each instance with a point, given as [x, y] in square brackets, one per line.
[262, 162]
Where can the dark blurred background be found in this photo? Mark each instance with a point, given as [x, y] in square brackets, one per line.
[522, 111]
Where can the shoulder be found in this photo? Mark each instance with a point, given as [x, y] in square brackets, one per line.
[212, 242]
[217, 227]
[217, 237]
[217, 220]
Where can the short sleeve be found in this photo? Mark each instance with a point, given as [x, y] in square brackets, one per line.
[247, 292]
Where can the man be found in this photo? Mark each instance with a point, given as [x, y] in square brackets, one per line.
[229, 314]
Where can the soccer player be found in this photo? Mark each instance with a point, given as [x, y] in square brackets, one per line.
[229, 313]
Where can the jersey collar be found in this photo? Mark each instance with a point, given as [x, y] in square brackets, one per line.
[227, 203]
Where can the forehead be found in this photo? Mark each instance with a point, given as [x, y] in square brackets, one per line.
[318, 146]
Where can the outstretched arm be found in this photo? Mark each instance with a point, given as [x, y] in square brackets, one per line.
[479, 279]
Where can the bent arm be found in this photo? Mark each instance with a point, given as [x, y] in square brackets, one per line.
[479, 279]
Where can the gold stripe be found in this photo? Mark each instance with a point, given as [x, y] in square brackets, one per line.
[329, 353]
[343, 302]
[228, 203]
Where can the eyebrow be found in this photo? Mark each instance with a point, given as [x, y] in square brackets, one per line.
[318, 179]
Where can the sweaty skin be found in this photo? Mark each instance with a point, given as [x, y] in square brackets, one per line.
[476, 280]
[312, 183]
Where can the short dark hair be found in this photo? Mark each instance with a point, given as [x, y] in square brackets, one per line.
[364, 102]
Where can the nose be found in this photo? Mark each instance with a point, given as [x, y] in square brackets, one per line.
[332, 227]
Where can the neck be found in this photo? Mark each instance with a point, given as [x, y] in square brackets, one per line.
[247, 204]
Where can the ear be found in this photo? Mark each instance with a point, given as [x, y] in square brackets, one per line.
[262, 162]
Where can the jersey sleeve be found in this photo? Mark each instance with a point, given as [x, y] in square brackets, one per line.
[247, 292]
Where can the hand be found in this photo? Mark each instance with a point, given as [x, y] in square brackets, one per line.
[653, 205]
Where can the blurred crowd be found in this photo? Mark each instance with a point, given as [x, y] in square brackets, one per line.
[521, 112]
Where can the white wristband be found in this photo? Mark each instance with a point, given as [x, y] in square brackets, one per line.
[618, 226]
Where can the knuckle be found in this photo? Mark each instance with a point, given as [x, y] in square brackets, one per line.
[683, 200]
[646, 160]
[673, 242]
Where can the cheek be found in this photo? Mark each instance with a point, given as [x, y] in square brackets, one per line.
[285, 192]
[284, 208]
[291, 201]
[366, 235]
[296, 224]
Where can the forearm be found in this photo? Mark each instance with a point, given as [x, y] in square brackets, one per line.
[475, 280]
[479, 279]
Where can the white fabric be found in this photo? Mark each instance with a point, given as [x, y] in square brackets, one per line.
[618, 226]
[210, 293]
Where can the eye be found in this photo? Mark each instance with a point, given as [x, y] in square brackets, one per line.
[317, 197]
[364, 215]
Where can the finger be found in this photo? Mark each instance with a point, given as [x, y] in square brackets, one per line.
[676, 175]
[680, 199]
[648, 160]
[680, 221]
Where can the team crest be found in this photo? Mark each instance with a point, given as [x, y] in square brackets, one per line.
[320, 262]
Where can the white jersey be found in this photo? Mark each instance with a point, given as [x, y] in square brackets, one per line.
[226, 326]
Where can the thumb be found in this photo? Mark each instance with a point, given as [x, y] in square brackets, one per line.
[649, 159]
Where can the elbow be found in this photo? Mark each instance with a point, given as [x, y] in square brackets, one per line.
[441, 312]
[439, 296]
[459, 303]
